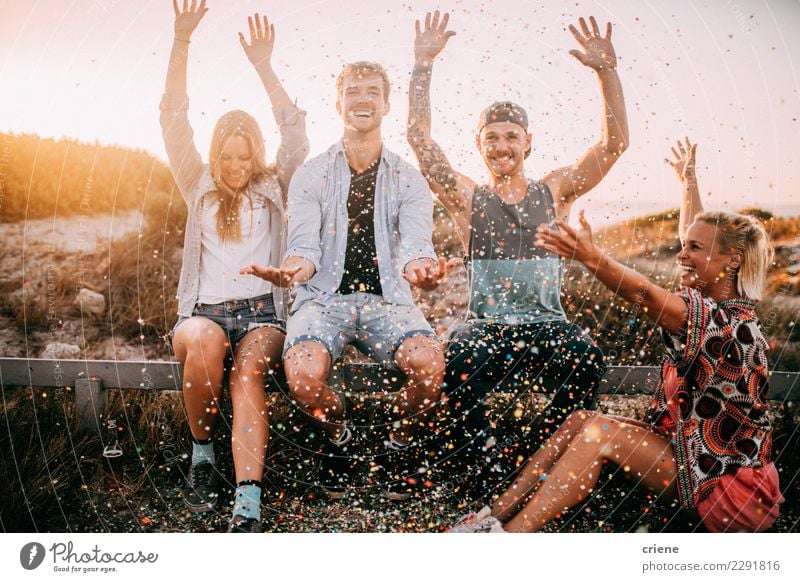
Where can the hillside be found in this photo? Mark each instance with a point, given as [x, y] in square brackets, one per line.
[44, 177]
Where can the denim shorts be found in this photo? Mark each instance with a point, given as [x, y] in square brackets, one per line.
[374, 326]
[238, 317]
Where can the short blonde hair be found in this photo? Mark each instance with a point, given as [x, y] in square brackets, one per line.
[361, 67]
[745, 235]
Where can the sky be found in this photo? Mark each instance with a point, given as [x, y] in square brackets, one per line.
[724, 72]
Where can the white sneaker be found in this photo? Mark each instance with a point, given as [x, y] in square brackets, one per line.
[480, 522]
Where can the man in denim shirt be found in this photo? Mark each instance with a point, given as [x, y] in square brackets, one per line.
[360, 222]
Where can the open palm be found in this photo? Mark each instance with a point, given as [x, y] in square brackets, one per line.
[598, 52]
[262, 40]
[187, 19]
[431, 40]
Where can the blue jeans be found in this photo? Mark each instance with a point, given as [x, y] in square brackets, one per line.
[238, 317]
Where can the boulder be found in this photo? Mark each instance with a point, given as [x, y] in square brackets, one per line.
[90, 302]
[59, 351]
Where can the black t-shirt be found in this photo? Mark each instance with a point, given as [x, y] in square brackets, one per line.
[361, 273]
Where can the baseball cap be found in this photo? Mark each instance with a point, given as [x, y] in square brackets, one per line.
[503, 111]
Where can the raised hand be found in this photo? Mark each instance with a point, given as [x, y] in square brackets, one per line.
[262, 40]
[567, 242]
[187, 19]
[599, 52]
[684, 163]
[429, 42]
[428, 274]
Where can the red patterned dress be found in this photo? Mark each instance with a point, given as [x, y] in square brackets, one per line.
[712, 404]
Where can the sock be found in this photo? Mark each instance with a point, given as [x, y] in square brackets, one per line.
[203, 451]
[248, 500]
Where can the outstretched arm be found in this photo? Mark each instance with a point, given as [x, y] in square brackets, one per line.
[259, 53]
[570, 182]
[184, 159]
[291, 122]
[684, 166]
[453, 189]
[186, 21]
[667, 309]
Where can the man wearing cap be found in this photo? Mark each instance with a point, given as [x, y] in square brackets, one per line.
[517, 333]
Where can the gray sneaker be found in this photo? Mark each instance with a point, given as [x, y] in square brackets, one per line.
[242, 524]
[338, 466]
[201, 492]
[480, 522]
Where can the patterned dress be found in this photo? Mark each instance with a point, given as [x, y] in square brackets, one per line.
[712, 397]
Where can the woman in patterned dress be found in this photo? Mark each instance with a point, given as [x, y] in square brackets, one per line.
[708, 439]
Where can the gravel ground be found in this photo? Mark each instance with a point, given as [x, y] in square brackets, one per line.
[148, 497]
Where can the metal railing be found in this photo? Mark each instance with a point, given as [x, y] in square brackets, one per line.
[91, 380]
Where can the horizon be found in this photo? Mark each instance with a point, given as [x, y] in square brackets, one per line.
[723, 73]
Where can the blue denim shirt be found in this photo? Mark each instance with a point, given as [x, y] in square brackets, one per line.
[318, 223]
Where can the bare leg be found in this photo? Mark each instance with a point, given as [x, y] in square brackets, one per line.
[422, 361]
[644, 455]
[257, 354]
[307, 367]
[201, 345]
[510, 502]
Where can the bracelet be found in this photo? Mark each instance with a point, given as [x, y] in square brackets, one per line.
[186, 40]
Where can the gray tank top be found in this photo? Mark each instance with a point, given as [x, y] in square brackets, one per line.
[511, 279]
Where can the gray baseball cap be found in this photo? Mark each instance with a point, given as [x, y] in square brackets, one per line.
[503, 111]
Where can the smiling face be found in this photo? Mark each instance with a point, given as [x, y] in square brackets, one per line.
[235, 163]
[362, 102]
[705, 264]
[502, 146]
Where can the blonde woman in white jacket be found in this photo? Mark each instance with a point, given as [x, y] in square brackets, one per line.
[236, 217]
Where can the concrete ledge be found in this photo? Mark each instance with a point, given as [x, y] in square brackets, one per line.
[152, 375]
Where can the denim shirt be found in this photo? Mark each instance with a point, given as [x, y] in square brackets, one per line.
[194, 181]
[318, 223]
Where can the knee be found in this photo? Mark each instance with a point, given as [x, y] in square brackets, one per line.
[307, 362]
[201, 337]
[424, 362]
[595, 429]
[307, 370]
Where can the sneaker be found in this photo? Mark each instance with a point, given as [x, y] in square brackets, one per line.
[337, 466]
[201, 492]
[480, 522]
[242, 524]
[399, 472]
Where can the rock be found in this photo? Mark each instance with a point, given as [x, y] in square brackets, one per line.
[116, 348]
[24, 296]
[59, 351]
[90, 302]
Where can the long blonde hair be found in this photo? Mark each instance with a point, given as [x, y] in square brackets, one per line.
[232, 124]
[744, 235]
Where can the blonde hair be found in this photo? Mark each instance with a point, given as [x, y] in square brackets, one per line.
[235, 124]
[361, 67]
[744, 235]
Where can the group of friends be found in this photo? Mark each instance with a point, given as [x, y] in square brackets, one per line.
[285, 264]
